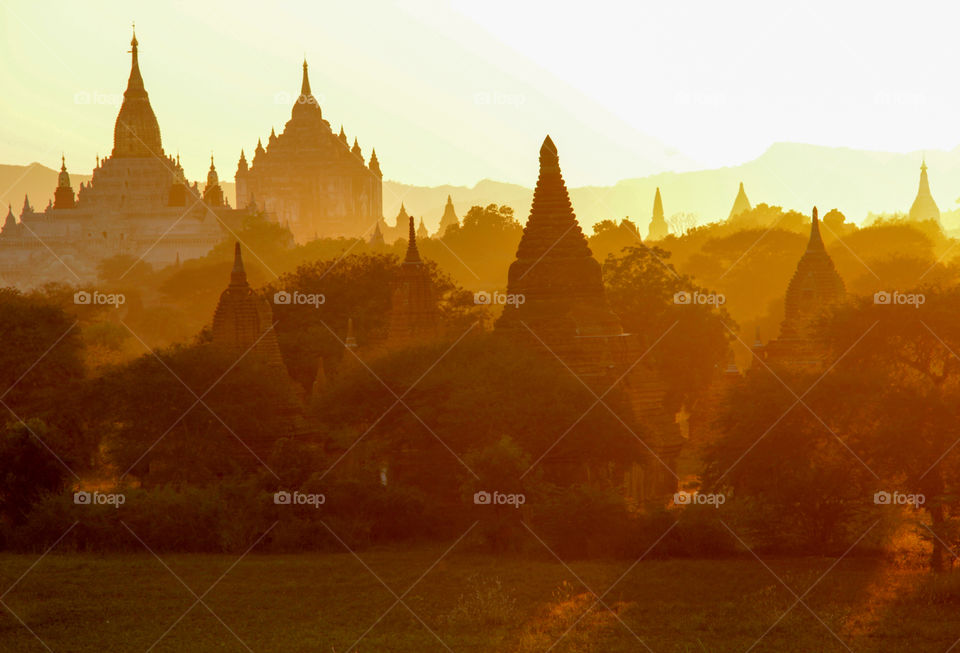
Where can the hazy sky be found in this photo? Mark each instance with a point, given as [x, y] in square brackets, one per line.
[454, 92]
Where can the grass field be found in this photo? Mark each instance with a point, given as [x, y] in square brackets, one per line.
[337, 602]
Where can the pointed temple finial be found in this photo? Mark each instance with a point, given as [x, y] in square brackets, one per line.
[816, 242]
[413, 254]
[305, 85]
[238, 276]
[548, 153]
[924, 207]
[741, 204]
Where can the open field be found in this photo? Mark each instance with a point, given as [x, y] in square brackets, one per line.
[464, 602]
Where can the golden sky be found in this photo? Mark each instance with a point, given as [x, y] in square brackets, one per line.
[454, 92]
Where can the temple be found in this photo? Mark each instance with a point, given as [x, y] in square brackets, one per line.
[658, 224]
[566, 312]
[138, 204]
[815, 288]
[310, 178]
[243, 328]
[741, 204]
[923, 207]
[448, 218]
[414, 316]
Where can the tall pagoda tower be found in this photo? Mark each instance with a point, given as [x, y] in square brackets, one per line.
[923, 207]
[555, 271]
[244, 320]
[658, 224]
[566, 311]
[414, 316]
[815, 288]
[740, 204]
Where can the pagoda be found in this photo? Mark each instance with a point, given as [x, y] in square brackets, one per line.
[63, 197]
[815, 288]
[923, 207]
[243, 321]
[138, 204]
[741, 204]
[448, 218]
[658, 225]
[566, 312]
[309, 177]
[414, 315]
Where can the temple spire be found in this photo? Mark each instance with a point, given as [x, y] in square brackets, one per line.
[413, 254]
[135, 80]
[305, 85]
[658, 229]
[924, 207]
[741, 204]
[238, 276]
[816, 242]
[136, 133]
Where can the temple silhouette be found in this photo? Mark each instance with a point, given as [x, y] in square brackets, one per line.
[310, 178]
[565, 315]
[138, 203]
[814, 289]
[923, 207]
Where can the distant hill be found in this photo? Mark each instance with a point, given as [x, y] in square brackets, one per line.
[792, 175]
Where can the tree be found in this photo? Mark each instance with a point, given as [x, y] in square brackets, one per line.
[157, 430]
[897, 393]
[687, 341]
[27, 469]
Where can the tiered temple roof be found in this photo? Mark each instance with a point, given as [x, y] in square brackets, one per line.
[555, 271]
[566, 310]
[243, 321]
[815, 288]
[309, 177]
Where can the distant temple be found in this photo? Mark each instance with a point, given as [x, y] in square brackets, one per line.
[243, 321]
[741, 204]
[310, 177]
[924, 208]
[815, 288]
[138, 204]
[243, 327]
[566, 311]
[414, 316]
[448, 218]
[658, 225]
